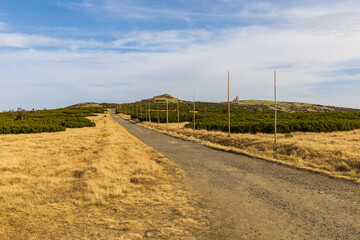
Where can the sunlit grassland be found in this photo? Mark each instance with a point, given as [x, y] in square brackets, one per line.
[92, 183]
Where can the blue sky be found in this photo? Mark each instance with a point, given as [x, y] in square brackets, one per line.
[57, 53]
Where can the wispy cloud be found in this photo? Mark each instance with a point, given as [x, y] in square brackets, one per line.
[172, 40]
[17, 40]
[121, 9]
[309, 44]
[317, 15]
[145, 10]
[250, 53]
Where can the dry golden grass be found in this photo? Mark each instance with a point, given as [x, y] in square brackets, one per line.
[335, 153]
[92, 183]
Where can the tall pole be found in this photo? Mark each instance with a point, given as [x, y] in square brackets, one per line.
[157, 112]
[146, 113]
[229, 103]
[194, 108]
[167, 113]
[275, 106]
[178, 114]
[141, 113]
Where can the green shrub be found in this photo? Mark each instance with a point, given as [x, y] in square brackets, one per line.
[245, 119]
[46, 120]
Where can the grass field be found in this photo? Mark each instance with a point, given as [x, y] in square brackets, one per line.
[92, 183]
[335, 153]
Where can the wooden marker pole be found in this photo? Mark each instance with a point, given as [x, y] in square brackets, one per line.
[167, 113]
[157, 112]
[178, 114]
[275, 140]
[146, 112]
[228, 103]
[194, 108]
[141, 113]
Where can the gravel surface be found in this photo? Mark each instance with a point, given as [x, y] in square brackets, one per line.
[257, 199]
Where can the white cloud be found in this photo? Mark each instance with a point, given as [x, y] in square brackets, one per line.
[305, 44]
[143, 40]
[319, 15]
[164, 40]
[121, 9]
[17, 40]
[142, 10]
[250, 53]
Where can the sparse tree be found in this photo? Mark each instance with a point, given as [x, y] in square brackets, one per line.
[21, 114]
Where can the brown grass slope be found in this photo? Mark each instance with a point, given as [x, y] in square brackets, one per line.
[92, 183]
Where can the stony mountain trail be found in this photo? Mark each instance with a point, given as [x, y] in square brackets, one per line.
[256, 199]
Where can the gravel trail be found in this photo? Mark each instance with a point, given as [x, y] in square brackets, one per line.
[256, 199]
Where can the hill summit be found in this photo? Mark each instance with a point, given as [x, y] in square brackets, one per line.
[163, 96]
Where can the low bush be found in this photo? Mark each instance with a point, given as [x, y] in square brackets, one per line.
[47, 120]
[244, 119]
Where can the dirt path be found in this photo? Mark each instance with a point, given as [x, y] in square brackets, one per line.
[256, 199]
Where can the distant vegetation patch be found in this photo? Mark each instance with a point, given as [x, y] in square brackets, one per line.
[247, 118]
[287, 122]
[93, 105]
[290, 107]
[56, 120]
